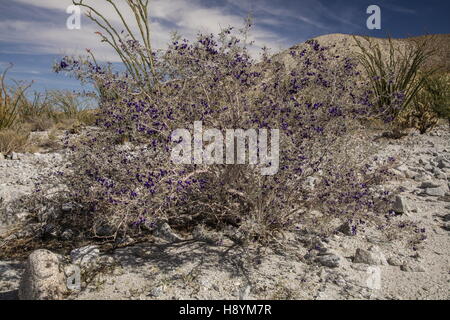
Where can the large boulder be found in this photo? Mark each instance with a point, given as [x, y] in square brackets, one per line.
[43, 278]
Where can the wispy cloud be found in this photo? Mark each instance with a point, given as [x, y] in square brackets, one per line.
[187, 17]
[400, 9]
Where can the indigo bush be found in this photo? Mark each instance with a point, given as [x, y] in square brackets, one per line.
[121, 175]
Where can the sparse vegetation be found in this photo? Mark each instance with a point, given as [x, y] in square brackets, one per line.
[397, 77]
[437, 94]
[13, 140]
[10, 98]
[21, 114]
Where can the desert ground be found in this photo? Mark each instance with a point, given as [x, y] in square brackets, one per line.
[208, 265]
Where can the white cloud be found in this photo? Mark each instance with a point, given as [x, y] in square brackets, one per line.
[186, 16]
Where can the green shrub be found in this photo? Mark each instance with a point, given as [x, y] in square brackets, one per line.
[72, 105]
[437, 94]
[395, 75]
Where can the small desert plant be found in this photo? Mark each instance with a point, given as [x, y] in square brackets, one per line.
[437, 94]
[395, 75]
[13, 141]
[421, 116]
[10, 98]
[36, 106]
[430, 103]
[72, 106]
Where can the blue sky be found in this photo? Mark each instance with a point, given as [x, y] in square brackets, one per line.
[33, 33]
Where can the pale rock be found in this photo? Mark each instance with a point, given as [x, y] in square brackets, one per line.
[435, 192]
[409, 267]
[329, 260]
[402, 205]
[394, 261]
[165, 232]
[430, 184]
[373, 256]
[43, 278]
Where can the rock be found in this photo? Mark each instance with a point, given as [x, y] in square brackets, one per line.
[15, 156]
[443, 164]
[373, 256]
[435, 192]
[67, 235]
[85, 255]
[406, 171]
[104, 231]
[43, 278]
[244, 293]
[429, 184]
[394, 261]
[2, 157]
[408, 267]
[164, 231]
[347, 229]
[360, 267]
[157, 292]
[402, 205]
[329, 260]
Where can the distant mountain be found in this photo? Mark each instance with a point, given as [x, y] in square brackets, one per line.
[344, 44]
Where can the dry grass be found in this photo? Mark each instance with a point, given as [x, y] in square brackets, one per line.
[13, 141]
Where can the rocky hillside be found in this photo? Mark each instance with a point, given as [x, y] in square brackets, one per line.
[346, 44]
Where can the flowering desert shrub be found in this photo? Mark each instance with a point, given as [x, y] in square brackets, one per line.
[121, 176]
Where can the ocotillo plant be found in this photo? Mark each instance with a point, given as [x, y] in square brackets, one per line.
[395, 76]
[9, 100]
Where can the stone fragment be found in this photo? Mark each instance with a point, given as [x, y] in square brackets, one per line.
[373, 256]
